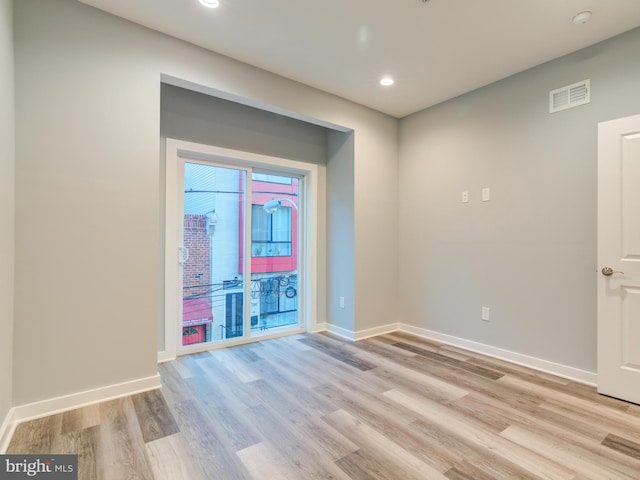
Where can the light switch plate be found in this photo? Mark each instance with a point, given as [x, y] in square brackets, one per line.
[486, 194]
[486, 314]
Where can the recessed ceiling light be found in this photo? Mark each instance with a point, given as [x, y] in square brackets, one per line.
[581, 18]
[386, 81]
[210, 3]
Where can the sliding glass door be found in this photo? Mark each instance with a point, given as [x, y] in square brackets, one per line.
[213, 254]
[274, 252]
[239, 244]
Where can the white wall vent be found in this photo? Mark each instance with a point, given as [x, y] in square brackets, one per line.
[569, 96]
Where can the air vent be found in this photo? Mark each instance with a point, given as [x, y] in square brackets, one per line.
[569, 96]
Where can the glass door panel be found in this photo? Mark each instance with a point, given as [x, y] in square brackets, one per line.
[213, 253]
[274, 252]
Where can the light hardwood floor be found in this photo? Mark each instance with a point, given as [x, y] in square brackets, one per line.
[317, 407]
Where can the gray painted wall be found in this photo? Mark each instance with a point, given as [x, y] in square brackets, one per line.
[88, 188]
[376, 227]
[196, 117]
[530, 253]
[341, 245]
[7, 181]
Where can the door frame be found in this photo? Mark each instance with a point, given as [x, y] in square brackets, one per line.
[177, 151]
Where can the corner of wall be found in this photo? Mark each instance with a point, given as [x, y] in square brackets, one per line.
[7, 213]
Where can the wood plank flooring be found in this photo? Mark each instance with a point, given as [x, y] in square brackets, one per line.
[318, 407]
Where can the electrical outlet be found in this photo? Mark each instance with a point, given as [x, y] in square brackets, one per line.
[486, 314]
[341, 302]
[465, 197]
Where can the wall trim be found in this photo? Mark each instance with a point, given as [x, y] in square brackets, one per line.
[52, 406]
[341, 332]
[31, 411]
[319, 327]
[165, 356]
[6, 430]
[361, 334]
[372, 332]
[564, 371]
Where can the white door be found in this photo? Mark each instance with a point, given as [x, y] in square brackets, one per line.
[619, 258]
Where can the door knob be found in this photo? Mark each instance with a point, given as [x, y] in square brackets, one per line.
[183, 255]
[608, 271]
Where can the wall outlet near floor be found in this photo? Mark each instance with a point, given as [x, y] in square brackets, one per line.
[486, 314]
[465, 197]
[341, 302]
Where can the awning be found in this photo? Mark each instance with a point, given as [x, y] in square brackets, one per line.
[196, 311]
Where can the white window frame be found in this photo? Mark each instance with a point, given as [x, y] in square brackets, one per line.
[178, 151]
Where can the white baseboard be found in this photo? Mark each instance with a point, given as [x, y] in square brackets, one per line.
[361, 334]
[6, 430]
[564, 371]
[319, 327]
[341, 332]
[166, 356]
[372, 332]
[31, 411]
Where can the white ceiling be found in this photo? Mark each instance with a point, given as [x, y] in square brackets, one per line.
[435, 50]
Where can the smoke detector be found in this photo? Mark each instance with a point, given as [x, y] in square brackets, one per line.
[581, 18]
